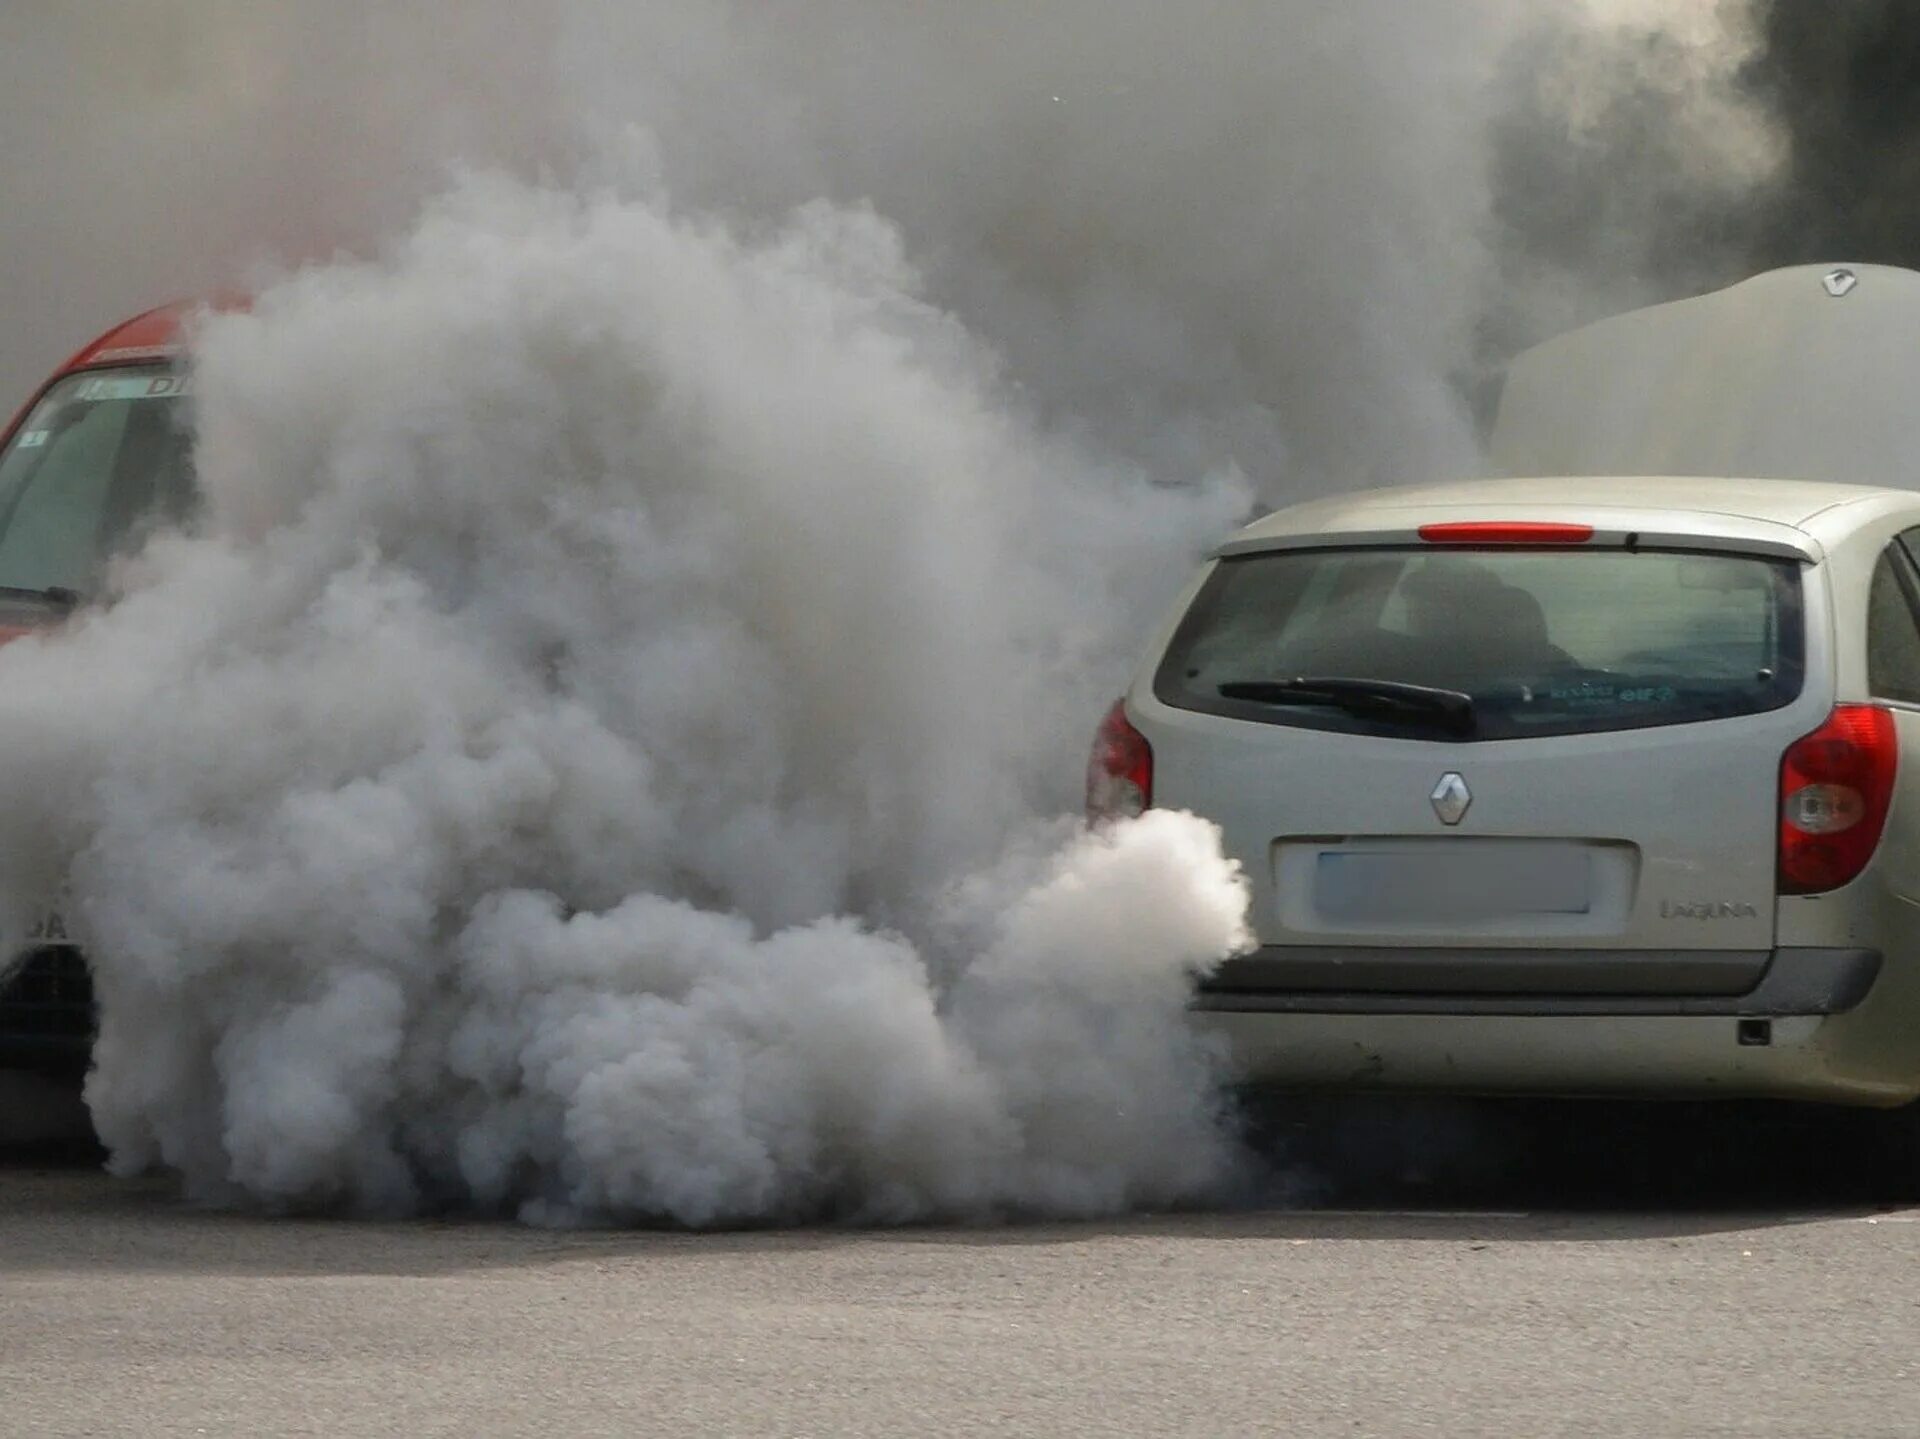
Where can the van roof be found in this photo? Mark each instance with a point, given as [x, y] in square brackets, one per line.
[1806, 373]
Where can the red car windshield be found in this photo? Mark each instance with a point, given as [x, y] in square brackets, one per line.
[103, 459]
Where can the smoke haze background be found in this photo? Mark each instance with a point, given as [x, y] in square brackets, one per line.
[1293, 234]
[1260, 234]
[602, 754]
[1643, 162]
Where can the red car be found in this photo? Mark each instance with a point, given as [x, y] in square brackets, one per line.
[98, 458]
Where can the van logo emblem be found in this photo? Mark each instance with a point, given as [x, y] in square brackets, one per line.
[1838, 282]
[1451, 797]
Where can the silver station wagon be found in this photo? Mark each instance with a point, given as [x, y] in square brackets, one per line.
[1577, 786]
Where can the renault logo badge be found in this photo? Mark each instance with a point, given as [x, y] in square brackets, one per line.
[1838, 282]
[1451, 798]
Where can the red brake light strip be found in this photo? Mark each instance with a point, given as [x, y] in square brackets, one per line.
[1506, 532]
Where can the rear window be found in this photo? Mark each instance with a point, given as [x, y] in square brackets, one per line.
[1537, 642]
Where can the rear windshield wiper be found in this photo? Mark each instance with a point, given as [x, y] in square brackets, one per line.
[1371, 699]
[59, 595]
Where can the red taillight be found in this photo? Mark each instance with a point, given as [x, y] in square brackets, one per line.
[1505, 532]
[1120, 769]
[1835, 787]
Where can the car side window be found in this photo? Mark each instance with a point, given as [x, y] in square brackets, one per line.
[1893, 632]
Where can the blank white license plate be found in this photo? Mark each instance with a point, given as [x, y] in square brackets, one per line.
[1449, 882]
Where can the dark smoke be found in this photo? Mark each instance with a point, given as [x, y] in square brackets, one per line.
[1628, 165]
[1845, 81]
[1626, 171]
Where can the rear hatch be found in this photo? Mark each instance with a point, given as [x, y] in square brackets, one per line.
[1558, 748]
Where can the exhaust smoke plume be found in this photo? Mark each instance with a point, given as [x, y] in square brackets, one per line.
[593, 611]
[600, 754]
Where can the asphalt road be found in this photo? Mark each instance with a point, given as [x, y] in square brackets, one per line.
[1759, 1293]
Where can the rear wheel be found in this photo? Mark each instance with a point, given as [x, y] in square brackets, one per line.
[1891, 1140]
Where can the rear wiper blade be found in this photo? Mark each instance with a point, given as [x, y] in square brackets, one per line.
[1375, 699]
[52, 594]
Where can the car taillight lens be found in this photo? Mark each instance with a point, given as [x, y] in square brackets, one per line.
[1505, 532]
[1120, 769]
[1835, 787]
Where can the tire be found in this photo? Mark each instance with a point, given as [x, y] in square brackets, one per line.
[1891, 1157]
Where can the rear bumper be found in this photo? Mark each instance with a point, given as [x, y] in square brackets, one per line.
[1340, 980]
[1807, 1029]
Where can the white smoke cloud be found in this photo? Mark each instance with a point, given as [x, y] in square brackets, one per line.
[609, 643]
